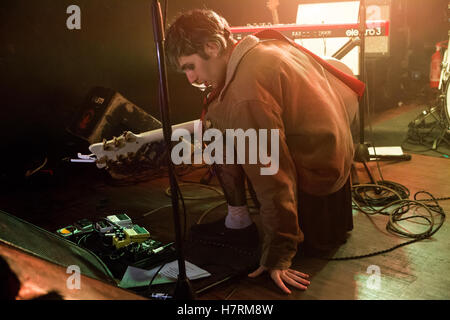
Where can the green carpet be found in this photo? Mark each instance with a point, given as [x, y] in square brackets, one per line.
[418, 138]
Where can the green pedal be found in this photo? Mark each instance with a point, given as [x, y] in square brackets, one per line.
[121, 220]
[137, 233]
[67, 232]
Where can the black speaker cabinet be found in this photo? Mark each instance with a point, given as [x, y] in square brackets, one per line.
[106, 113]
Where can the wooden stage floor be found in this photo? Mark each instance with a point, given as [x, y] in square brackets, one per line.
[416, 271]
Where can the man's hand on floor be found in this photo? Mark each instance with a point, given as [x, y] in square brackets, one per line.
[292, 277]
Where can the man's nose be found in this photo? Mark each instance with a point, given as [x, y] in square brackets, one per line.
[191, 76]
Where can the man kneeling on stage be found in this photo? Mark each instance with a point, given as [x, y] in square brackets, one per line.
[266, 81]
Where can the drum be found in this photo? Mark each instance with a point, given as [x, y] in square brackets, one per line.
[445, 71]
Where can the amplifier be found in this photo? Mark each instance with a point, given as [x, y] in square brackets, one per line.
[378, 10]
[106, 113]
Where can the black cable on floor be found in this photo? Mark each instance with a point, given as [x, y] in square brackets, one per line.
[393, 201]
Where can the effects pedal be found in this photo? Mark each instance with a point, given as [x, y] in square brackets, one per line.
[103, 226]
[121, 220]
[79, 228]
[126, 236]
[137, 233]
[120, 240]
[84, 226]
[67, 232]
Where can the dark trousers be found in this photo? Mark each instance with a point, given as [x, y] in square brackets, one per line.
[232, 179]
[324, 220]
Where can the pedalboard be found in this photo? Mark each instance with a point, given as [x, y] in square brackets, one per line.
[118, 242]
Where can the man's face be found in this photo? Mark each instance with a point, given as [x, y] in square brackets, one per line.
[208, 72]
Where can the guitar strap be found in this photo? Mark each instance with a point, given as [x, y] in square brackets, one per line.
[356, 85]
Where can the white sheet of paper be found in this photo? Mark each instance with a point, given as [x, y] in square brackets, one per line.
[170, 270]
[136, 277]
[386, 151]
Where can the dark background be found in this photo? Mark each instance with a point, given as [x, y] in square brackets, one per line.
[47, 70]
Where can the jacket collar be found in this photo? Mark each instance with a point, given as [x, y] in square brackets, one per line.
[241, 49]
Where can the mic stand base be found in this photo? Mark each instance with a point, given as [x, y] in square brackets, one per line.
[362, 155]
[183, 290]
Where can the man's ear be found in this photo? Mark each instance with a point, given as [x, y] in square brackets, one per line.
[212, 49]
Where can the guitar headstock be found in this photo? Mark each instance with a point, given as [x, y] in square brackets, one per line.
[272, 4]
[130, 147]
[119, 148]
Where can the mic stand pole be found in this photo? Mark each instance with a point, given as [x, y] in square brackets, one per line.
[362, 150]
[183, 289]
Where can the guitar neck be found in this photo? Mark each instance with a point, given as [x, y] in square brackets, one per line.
[157, 134]
[272, 5]
[275, 18]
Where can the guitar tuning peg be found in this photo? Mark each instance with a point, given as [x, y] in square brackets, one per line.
[106, 146]
[102, 160]
[119, 141]
[129, 137]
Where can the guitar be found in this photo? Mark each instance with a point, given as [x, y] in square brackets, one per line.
[272, 5]
[131, 148]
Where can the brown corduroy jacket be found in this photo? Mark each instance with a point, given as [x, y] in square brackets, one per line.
[271, 84]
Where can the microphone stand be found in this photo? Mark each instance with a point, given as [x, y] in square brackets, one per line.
[183, 289]
[362, 150]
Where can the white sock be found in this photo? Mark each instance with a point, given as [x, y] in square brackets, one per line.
[238, 217]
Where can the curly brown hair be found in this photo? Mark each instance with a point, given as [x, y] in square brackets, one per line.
[192, 30]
